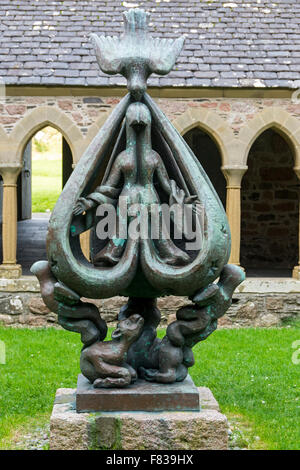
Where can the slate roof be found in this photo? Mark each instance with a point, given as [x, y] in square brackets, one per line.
[229, 44]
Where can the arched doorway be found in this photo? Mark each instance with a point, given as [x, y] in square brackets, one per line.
[47, 165]
[269, 208]
[209, 156]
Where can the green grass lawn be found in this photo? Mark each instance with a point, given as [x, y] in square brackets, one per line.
[46, 184]
[250, 371]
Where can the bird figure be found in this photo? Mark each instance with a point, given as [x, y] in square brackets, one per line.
[136, 54]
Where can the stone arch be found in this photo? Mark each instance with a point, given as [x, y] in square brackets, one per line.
[216, 128]
[3, 135]
[273, 117]
[208, 154]
[96, 126]
[4, 146]
[270, 202]
[37, 119]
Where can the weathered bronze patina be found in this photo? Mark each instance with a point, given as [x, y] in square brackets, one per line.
[139, 157]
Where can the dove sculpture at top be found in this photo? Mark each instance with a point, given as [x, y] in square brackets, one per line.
[136, 54]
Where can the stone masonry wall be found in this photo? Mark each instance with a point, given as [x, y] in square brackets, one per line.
[84, 110]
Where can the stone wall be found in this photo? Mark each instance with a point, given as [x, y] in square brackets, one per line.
[255, 303]
[85, 110]
[261, 310]
[236, 112]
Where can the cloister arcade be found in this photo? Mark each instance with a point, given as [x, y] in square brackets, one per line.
[255, 172]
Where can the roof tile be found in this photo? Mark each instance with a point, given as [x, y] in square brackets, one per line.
[252, 44]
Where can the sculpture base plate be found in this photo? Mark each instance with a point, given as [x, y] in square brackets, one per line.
[139, 396]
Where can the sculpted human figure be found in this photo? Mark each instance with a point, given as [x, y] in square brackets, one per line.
[136, 167]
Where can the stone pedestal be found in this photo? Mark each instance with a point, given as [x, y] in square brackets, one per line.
[137, 430]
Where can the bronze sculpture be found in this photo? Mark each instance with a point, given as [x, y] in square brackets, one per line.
[104, 362]
[139, 157]
[136, 170]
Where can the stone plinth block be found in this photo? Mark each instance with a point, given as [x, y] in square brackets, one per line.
[140, 396]
[137, 430]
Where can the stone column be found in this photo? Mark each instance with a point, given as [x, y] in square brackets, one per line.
[234, 177]
[85, 244]
[9, 268]
[296, 270]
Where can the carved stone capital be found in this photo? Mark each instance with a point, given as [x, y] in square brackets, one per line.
[234, 175]
[10, 173]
